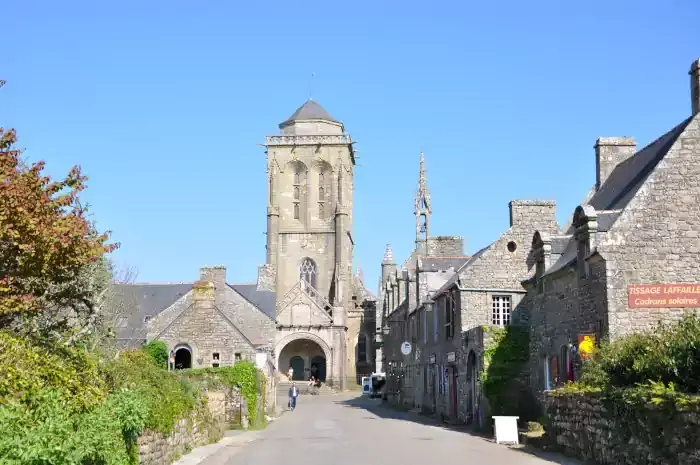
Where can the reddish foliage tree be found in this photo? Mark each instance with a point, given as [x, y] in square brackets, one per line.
[46, 240]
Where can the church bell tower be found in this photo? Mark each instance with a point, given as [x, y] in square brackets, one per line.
[309, 221]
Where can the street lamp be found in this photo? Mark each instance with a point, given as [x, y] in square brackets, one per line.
[386, 330]
[429, 304]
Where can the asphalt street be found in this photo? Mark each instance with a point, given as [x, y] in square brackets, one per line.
[346, 430]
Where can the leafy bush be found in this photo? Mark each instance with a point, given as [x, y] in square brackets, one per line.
[39, 430]
[167, 397]
[27, 367]
[158, 351]
[670, 355]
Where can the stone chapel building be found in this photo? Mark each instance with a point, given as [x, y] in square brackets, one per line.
[307, 310]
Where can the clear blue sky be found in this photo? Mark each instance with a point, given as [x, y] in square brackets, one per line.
[163, 103]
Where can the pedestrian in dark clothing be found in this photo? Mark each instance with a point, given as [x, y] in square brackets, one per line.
[293, 393]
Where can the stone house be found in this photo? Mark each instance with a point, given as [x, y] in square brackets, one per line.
[630, 256]
[205, 324]
[482, 292]
[405, 291]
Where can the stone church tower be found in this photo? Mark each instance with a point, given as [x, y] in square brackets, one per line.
[309, 244]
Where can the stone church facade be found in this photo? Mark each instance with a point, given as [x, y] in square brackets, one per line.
[307, 310]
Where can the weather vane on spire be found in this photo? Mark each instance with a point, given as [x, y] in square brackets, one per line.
[311, 85]
[2, 83]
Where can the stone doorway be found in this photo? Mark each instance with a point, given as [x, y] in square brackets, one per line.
[306, 357]
[318, 368]
[183, 358]
[298, 365]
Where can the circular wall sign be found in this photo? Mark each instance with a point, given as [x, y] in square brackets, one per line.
[406, 348]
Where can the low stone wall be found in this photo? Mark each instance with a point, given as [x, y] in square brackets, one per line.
[158, 449]
[582, 426]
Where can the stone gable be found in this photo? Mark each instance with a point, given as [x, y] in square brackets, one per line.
[206, 330]
[656, 238]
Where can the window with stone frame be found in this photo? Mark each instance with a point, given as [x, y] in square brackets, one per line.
[450, 315]
[215, 359]
[297, 188]
[308, 272]
[321, 196]
[237, 357]
[500, 310]
[122, 322]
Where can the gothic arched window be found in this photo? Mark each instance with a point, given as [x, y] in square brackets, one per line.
[307, 272]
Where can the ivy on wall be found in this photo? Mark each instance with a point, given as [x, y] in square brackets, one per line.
[505, 355]
[243, 376]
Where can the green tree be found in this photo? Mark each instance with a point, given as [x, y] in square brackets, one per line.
[52, 258]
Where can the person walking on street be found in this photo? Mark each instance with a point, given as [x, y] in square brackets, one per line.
[293, 393]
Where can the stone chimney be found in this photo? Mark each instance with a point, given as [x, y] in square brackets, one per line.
[532, 214]
[215, 275]
[203, 295]
[610, 152]
[695, 86]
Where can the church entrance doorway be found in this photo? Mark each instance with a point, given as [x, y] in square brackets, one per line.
[297, 364]
[318, 368]
[183, 358]
[306, 358]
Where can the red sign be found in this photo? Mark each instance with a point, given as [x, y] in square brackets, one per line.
[663, 295]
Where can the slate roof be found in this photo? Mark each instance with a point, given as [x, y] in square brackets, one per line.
[144, 300]
[627, 177]
[148, 300]
[442, 263]
[265, 301]
[455, 277]
[310, 110]
[619, 188]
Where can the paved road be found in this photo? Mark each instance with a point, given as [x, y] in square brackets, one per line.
[346, 430]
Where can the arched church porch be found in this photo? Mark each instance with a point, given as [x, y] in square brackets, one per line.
[307, 358]
[308, 353]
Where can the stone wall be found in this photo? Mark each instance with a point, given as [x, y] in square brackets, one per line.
[159, 449]
[445, 246]
[583, 427]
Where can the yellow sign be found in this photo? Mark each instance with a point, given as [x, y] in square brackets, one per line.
[586, 345]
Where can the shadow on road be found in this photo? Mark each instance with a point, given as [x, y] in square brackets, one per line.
[382, 410]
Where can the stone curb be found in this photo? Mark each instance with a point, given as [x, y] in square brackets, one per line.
[201, 453]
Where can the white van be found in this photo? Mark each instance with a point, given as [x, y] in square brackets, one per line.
[373, 385]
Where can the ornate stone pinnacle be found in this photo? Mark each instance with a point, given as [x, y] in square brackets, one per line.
[388, 254]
